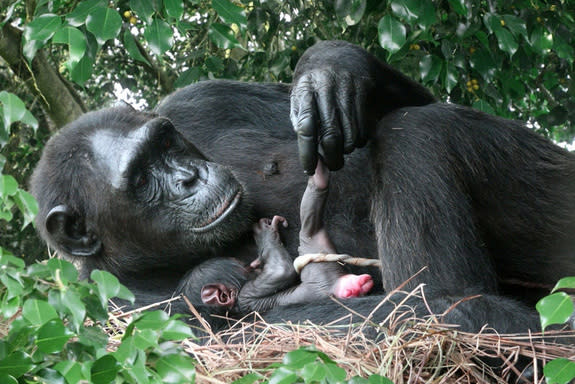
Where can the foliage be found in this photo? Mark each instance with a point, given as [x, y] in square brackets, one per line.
[56, 330]
[557, 308]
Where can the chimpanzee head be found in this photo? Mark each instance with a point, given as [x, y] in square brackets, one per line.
[127, 189]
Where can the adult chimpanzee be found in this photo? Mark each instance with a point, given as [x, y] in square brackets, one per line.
[482, 202]
[225, 286]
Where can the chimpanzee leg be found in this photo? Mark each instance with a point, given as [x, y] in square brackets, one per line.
[422, 215]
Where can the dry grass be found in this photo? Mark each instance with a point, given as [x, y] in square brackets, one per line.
[402, 348]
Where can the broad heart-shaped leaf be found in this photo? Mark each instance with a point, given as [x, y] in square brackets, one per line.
[79, 15]
[27, 205]
[82, 70]
[71, 370]
[4, 378]
[174, 8]
[75, 40]
[16, 364]
[8, 186]
[506, 41]
[350, 11]
[105, 370]
[52, 336]
[430, 67]
[42, 27]
[132, 48]
[391, 33]
[176, 369]
[104, 23]
[230, 13]
[541, 40]
[554, 309]
[223, 36]
[108, 285]
[13, 108]
[459, 6]
[560, 371]
[159, 36]
[38, 312]
[144, 9]
[566, 282]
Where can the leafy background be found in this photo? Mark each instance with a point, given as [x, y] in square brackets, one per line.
[60, 58]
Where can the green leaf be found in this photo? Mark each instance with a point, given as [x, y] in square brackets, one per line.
[176, 369]
[334, 374]
[484, 106]
[108, 285]
[283, 375]
[143, 9]
[16, 364]
[392, 34]
[176, 330]
[152, 320]
[13, 108]
[104, 23]
[72, 371]
[541, 40]
[223, 36]
[8, 186]
[75, 307]
[214, 64]
[75, 40]
[80, 72]
[230, 13]
[42, 28]
[407, 10]
[482, 62]
[146, 338]
[565, 283]
[188, 77]
[516, 25]
[105, 370]
[132, 47]
[159, 36]
[554, 309]
[430, 68]
[298, 358]
[450, 77]
[79, 15]
[250, 378]
[38, 312]
[67, 271]
[560, 371]
[350, 11]
[52, 336]
[506, 41]
[459, 6]
[174, 8]
[27, 205]
[563, 48]
[7, 379]
[313, 372]
[377, 379]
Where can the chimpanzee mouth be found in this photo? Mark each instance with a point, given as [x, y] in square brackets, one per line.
[225, 209]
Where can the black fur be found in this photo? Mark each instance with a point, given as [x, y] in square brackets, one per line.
[482, 202]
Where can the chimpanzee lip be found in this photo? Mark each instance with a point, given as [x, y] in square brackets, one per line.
[225, 209]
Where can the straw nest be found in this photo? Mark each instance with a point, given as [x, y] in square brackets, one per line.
[402, 348]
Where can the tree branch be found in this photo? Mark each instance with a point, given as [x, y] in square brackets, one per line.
[60, 101]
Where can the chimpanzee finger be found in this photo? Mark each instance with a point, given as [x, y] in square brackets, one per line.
[303, 119]
[330, 137]
[347, 113]
[360, 100]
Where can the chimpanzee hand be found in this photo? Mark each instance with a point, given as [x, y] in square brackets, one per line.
[339, 94]
[328, 103]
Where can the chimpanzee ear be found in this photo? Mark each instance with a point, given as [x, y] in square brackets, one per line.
[218, 295]
[69, 232]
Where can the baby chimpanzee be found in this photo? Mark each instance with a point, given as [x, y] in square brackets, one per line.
[223, 285]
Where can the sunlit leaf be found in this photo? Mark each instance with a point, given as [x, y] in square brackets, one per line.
[350, 11]
[16, 364]
[392, 34]
[38, 312]
[223, 36]
[554, 309]
[559, 371]
[75, 40]
[176, 369]
[104, 23]
[159, 36]
[230, 13]
[52, 336]
[104, 370]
